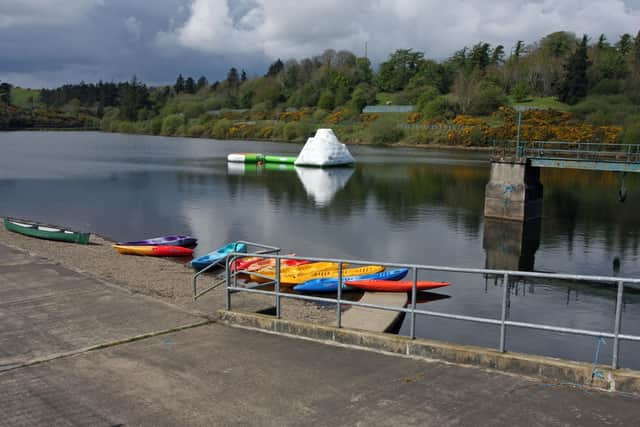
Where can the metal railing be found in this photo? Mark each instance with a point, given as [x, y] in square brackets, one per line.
[261, 250]
[564, 150]
[412, 311]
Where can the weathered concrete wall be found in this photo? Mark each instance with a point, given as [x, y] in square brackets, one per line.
[548, 368]
[510, 245]
[514, 191]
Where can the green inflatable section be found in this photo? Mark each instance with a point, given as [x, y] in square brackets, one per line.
[280, 159]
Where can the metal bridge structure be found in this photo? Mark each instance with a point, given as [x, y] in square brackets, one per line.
[574, 155]
[514, 191]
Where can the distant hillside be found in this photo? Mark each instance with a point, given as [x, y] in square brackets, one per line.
[25, 98]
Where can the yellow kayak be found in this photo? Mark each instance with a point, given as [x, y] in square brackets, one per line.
[296, 279]
[295, 270]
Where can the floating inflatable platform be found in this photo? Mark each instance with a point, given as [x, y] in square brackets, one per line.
[280, 159]
[245, 157]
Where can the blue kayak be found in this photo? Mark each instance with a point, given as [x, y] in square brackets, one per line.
[208, 259]
[331, 284]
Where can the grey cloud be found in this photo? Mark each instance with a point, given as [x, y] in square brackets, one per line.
[42, 43]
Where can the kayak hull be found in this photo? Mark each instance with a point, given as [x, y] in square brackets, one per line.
[43, 231]
[157, 250]
[331, 284]
[290, 279]
[215, 256]
[295, 270]
[164, 241]
[398, 286]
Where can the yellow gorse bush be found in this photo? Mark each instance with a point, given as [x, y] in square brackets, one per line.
[536, 125]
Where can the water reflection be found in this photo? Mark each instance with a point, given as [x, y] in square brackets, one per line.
[511, 245]
[396, 205]
[323, 184]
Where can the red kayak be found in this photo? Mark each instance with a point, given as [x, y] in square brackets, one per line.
[243, 263]
[394, 286]
[154, 250]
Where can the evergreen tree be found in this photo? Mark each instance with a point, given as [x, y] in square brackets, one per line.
[133, 96]
[202, 82]
[518, 50]
[624, 44]
[575, 83]
[602, 42]
[232, 77]
[275, 68]
[497, 56]
[5, 93]
[395, 73]
[479, 56]
[179, 86]
[189, 85]
[243, 76]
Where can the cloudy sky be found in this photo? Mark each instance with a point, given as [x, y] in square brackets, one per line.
[44, 43]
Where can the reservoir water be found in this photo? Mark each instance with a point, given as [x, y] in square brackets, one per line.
[397, 204]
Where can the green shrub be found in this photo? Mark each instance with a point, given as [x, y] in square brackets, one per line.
[295, 130]
[520, 92]
[319, 115]
[631, 133]
[193, 110]
[487, 99]
[384, 131]
[196, 130]
[278, 131]
[155, 126]
[261, 107]
[327, 100]
[427, 94]
[221, 128]
[439, 107]
[171, 124]
[427, 136]
[606, 110]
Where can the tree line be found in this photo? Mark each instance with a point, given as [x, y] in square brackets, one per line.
[474, 80]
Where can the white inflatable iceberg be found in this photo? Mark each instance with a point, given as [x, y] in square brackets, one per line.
[324, 149]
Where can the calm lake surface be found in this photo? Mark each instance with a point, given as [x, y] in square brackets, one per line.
[398, 205]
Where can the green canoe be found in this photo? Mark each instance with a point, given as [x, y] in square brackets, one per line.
[50, 232]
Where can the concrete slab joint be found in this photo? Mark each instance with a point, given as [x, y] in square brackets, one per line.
[547, 368]
[514, 191]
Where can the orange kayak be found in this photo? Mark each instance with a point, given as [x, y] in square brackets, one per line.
[394, 286]
[263, 263]
[154, 250]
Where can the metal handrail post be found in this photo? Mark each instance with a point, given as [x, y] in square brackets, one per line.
[234, 262]
[518, 148]
[503, 317]
[278, 287]
[616, 327]
[339, 296]
[227, 277]
[414, 291]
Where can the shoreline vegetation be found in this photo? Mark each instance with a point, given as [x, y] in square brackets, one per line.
[560, 87]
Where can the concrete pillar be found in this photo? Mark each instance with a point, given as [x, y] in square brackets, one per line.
[510, 245]
[514, 191]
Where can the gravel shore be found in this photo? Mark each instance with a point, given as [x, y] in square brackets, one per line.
[161, 278]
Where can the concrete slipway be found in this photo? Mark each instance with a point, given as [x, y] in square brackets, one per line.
[75, 350]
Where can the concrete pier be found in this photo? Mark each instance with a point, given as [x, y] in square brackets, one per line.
[510, 245]
[371, 319]
[514, 191]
